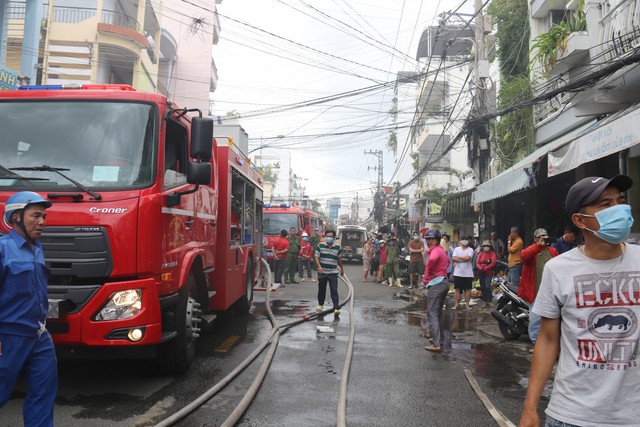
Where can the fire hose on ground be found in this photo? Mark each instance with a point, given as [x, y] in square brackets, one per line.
[273, 339]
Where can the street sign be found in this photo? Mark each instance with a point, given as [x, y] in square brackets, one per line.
[8, 79]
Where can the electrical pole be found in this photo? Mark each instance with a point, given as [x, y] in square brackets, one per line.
[480, 134]
[480, 144]
[378, 198]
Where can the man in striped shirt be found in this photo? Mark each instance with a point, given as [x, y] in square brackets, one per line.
[328, 259]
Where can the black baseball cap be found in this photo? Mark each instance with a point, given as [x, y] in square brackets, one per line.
[587, 190]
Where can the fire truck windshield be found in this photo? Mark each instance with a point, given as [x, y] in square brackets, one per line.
[272, 223]
[100, 145]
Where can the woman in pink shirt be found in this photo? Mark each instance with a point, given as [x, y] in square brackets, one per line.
[435, 278]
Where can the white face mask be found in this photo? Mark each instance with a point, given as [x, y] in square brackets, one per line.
[416, 237]
[464, 242]
[486, 249]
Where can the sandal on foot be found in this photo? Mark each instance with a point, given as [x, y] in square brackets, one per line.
[433, 348]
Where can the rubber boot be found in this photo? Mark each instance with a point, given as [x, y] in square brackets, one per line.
[399, 283]
[390, 282]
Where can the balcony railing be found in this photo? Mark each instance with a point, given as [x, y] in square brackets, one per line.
[551, 107]
[620, 28]
[17, 10]
[72, 15]
[119, 19]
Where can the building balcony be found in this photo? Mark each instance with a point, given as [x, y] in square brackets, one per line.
[431, 96]
[123, 26]
[611, 37]
[213, 79]
[619, 29]
[574, 53]
[216, 29]
[541, 8]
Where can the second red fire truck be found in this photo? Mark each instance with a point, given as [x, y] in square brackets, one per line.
[284, 217]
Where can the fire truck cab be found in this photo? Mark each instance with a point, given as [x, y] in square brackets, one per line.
[153, 228]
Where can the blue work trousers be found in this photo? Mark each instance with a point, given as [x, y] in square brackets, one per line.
[552, 422]
[33, 358]
[332, 279]
[513, 275]
[534, 324]
[485, 286]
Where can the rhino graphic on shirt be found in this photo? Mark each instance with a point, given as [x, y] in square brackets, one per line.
[610, 321]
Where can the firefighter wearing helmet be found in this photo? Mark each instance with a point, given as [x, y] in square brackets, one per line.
[26, 347]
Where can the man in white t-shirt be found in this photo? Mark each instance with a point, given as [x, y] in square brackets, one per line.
[589, 301]
[462, 272]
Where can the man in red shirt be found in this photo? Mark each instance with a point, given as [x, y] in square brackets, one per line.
[280, 249]
[534, 258]
[304, 258]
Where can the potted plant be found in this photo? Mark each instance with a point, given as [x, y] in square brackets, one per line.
[547, 45]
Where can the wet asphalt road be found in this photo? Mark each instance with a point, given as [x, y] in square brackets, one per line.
[393, 380]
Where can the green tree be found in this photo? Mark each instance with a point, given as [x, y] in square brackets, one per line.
[270, 172]
[512, 37]
[514, 132]
[415, 161]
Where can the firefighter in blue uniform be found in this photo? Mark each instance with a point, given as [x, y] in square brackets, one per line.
[26, 347]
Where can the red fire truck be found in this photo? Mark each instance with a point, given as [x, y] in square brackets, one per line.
[153, 226]
[283, 217]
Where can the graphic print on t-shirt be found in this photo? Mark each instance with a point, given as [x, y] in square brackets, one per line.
[609, 318]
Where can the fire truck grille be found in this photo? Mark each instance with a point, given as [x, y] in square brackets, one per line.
[77, 255]
[80, 261]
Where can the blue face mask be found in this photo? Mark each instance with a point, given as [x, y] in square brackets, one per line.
[305, 238]
[615, 223]
[391, 243]
[328, 240]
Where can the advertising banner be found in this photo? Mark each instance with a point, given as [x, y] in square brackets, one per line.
[8, 79]
[607, 139]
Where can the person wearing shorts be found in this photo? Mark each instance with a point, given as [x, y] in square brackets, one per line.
[463, 272]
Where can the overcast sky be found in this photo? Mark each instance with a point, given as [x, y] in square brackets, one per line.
[274, 53]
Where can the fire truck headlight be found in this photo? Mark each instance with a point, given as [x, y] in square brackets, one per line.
[121, 305]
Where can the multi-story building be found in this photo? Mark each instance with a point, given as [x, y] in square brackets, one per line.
[187, 72]
[442, 106]
[153, 45]
[588, 87]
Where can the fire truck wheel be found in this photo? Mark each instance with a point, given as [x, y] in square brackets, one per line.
[177, 354]
[244, 303]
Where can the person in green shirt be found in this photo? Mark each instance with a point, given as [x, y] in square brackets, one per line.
[392, 267]
[315, 239]
[292, 257]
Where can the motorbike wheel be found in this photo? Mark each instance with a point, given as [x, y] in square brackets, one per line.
[507, 332]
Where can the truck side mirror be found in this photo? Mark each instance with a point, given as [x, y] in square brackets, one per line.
[201, 138]
[199, 173]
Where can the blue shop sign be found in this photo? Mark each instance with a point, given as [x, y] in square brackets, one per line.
[8, 79]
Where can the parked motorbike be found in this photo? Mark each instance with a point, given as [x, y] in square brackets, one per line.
[404, 266]
[512, 312]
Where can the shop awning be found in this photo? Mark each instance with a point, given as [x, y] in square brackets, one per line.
[609, 136]
[519, 176]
